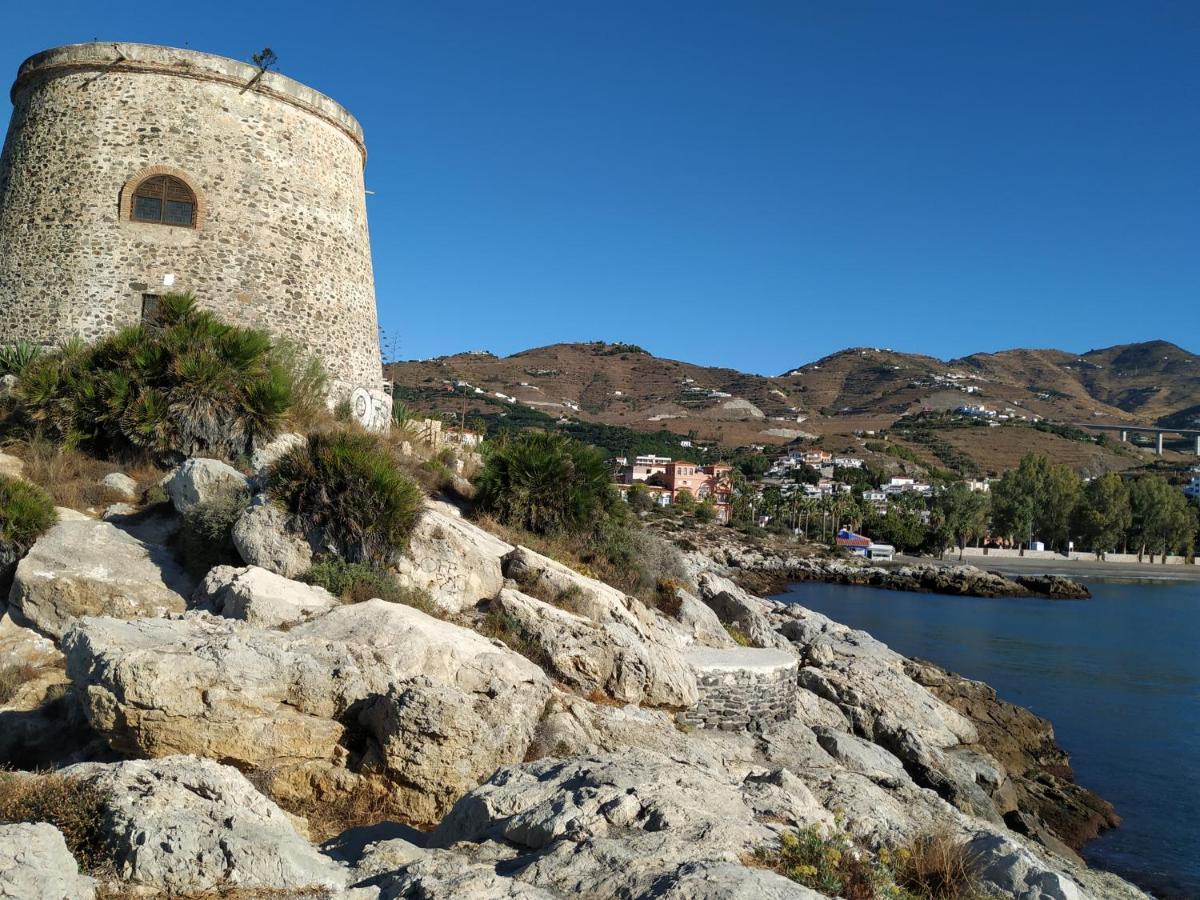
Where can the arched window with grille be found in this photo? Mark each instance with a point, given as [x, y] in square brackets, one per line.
[164, 200]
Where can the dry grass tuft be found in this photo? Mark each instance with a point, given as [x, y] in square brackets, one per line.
[937, 866]
[72, 477]
[12, 677]
[74, 806]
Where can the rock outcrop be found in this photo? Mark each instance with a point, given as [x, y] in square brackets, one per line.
[199, 480]
[456, 562]
[610, 657]
[83, 567]
[619, 824]
[326, 698]
[260, 597]
[35, 864]
[185, 825]
[262, 538]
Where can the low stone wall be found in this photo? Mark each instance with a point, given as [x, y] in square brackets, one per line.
[744, 689]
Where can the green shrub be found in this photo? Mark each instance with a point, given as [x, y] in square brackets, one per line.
[358, 582]
[546, 483]
[933, 867]
[26, 512]
[706, 512]
[205, 540]
[72, 805]
[16, 358]
[192, 386]
[308, 380]
[829, 863]
[345, 489]
[739, 637]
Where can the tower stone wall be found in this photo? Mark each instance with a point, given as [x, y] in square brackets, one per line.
[280, 236]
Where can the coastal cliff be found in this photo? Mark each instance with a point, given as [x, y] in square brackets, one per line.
[524, 731]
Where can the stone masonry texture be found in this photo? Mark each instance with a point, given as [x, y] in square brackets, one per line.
[742, 690]
[281, 240]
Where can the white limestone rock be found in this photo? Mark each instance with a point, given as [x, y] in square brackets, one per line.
[260, 597]
[263, 456]
[279, 700]
[186, 825]
[262, 538]
[611, 657]
[121, 484]
[35, 864]
[84, 567]
[456, 562]
[199, 480]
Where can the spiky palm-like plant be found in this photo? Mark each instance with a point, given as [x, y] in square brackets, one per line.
[546, 482]
[345, 491]
[16, 358]
[193, 385]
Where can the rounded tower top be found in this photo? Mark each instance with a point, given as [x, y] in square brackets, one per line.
[173, 61]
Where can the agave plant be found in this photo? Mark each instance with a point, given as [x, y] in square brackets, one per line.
[16, 358]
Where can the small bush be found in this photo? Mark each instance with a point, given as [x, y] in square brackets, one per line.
[346, 489]
[666, 596]
[739, 637]
[16, 358]
[828, 863]
[12, 677]
[546, 482]
[72, 805]
[706, 512]
[26, 512]
[358, 582]
[205, 539]
[938, 867]
[308, 381]
[194, 386]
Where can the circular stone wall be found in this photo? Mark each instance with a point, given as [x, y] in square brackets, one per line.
[280, 236]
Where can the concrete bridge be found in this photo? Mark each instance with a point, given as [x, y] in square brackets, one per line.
[1158, 433]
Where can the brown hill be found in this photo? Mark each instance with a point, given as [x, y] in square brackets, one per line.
[859, 389]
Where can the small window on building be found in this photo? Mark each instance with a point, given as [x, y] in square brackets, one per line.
[164, 200]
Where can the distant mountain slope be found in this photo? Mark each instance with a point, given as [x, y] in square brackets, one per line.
[858, 388]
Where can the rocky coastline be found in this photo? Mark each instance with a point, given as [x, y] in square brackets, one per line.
[768, 569]
[527, 735]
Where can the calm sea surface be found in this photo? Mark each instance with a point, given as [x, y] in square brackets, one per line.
[1118, 675]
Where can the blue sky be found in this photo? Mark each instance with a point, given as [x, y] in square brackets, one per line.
[744, 183]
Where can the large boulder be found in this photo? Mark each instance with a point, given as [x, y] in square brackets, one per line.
[35, 864]
[262, 538]
[260, 597]
[436, 742]
[456, 562]
[266, 454]
[121, 484]
[623, 823]
[611, 657]
[289, 702]
[83, 567]
[200, 480]
[187, 825]
[736, 607]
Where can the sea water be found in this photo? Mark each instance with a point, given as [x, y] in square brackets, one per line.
[1117, 675]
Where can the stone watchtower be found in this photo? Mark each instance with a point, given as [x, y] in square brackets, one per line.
[132, 170]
